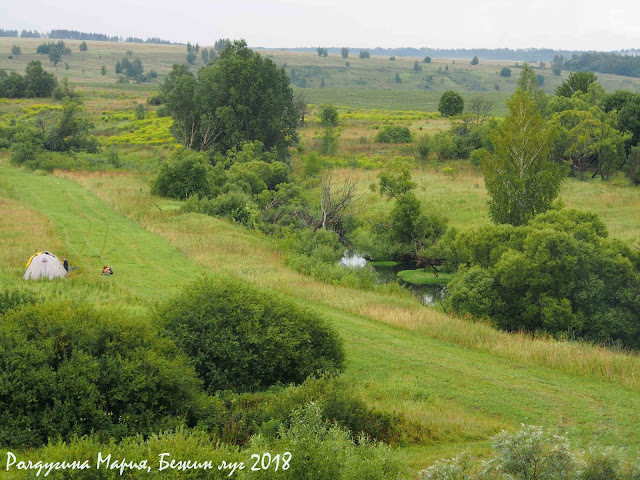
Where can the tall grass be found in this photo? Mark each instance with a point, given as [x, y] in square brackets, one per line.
[220, 246]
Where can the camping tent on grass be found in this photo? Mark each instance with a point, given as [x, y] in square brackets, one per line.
[44, 265]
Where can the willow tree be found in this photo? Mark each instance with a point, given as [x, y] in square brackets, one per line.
[519, 177]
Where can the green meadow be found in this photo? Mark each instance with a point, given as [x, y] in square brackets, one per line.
[457, 382]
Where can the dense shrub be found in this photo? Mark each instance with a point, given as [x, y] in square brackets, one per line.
[234, 205]
[320, 451]
[69, 369]
[235, 417]
[505, 72]
[443, 144]
[243, 338]
[531, 453]
[35, 83]
[559, 274]
[394, 134]
[183, 176]
[633, 165]
[451, 103]
[10, 299]
[329, 116]
[340, 404]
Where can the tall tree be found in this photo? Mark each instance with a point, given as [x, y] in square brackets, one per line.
[578, 81]
[240, 97]
[519, 177]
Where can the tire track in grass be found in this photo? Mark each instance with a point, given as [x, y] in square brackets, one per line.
[95, 235]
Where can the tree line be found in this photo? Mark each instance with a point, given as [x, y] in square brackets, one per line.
[601, 62]
[62, 34]
[520, 54]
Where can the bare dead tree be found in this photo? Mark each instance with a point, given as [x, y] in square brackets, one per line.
[480, 109]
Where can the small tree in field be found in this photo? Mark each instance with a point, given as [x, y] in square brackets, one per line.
[329, 116]
[83, 47]
[427, 59]
[475, 60]
[344, 52]
[364, 54]
[520, 178]
[451, 103]
[505, 72]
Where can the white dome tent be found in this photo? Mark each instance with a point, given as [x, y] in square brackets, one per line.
[44, 265]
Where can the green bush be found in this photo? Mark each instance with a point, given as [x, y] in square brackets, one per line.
[394, 134]
[339, 404]
[478, 155]
[505, 72]
[559, 273]
[234, 205]
[243, 338]
[633, 165]
[69, 369]
[319, 451]
[10, 299]
[183, 176]
[329, 116]
[451, 103]
[444, 145]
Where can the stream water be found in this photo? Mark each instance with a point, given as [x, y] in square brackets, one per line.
[427, 294]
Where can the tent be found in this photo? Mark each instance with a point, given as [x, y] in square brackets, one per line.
[44, 265]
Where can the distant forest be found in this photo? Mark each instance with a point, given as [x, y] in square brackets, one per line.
[520, 54]
[75, 35]
[627, 65]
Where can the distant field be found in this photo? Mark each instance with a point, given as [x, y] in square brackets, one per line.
[320, 80]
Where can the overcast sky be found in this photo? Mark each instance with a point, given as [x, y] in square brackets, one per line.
[559, 24]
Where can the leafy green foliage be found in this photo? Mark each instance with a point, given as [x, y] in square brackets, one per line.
[239, 97]
[77, 370]
[54, 130]
[475, 60]
[344, 51]
[451, 103]
[132, 69]
[320, 450]
[505, 72]
[633, 166]
[559, 274]
[329, 116]
[394, 134]
[519, 177]
[183, 176]
[533, 454]
[395, 179]
[36, 82]
[10, 299]
[577, 82]
[54, 50]
[242, 338]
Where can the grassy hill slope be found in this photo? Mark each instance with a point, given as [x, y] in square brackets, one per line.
[319, 79]
[456, 382]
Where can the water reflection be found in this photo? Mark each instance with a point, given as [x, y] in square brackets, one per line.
[427, 294]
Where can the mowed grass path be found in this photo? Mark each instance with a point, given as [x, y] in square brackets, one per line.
[93, 235]
[458, 395]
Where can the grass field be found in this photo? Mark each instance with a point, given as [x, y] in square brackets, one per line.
[457, 382]
[347, 86]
